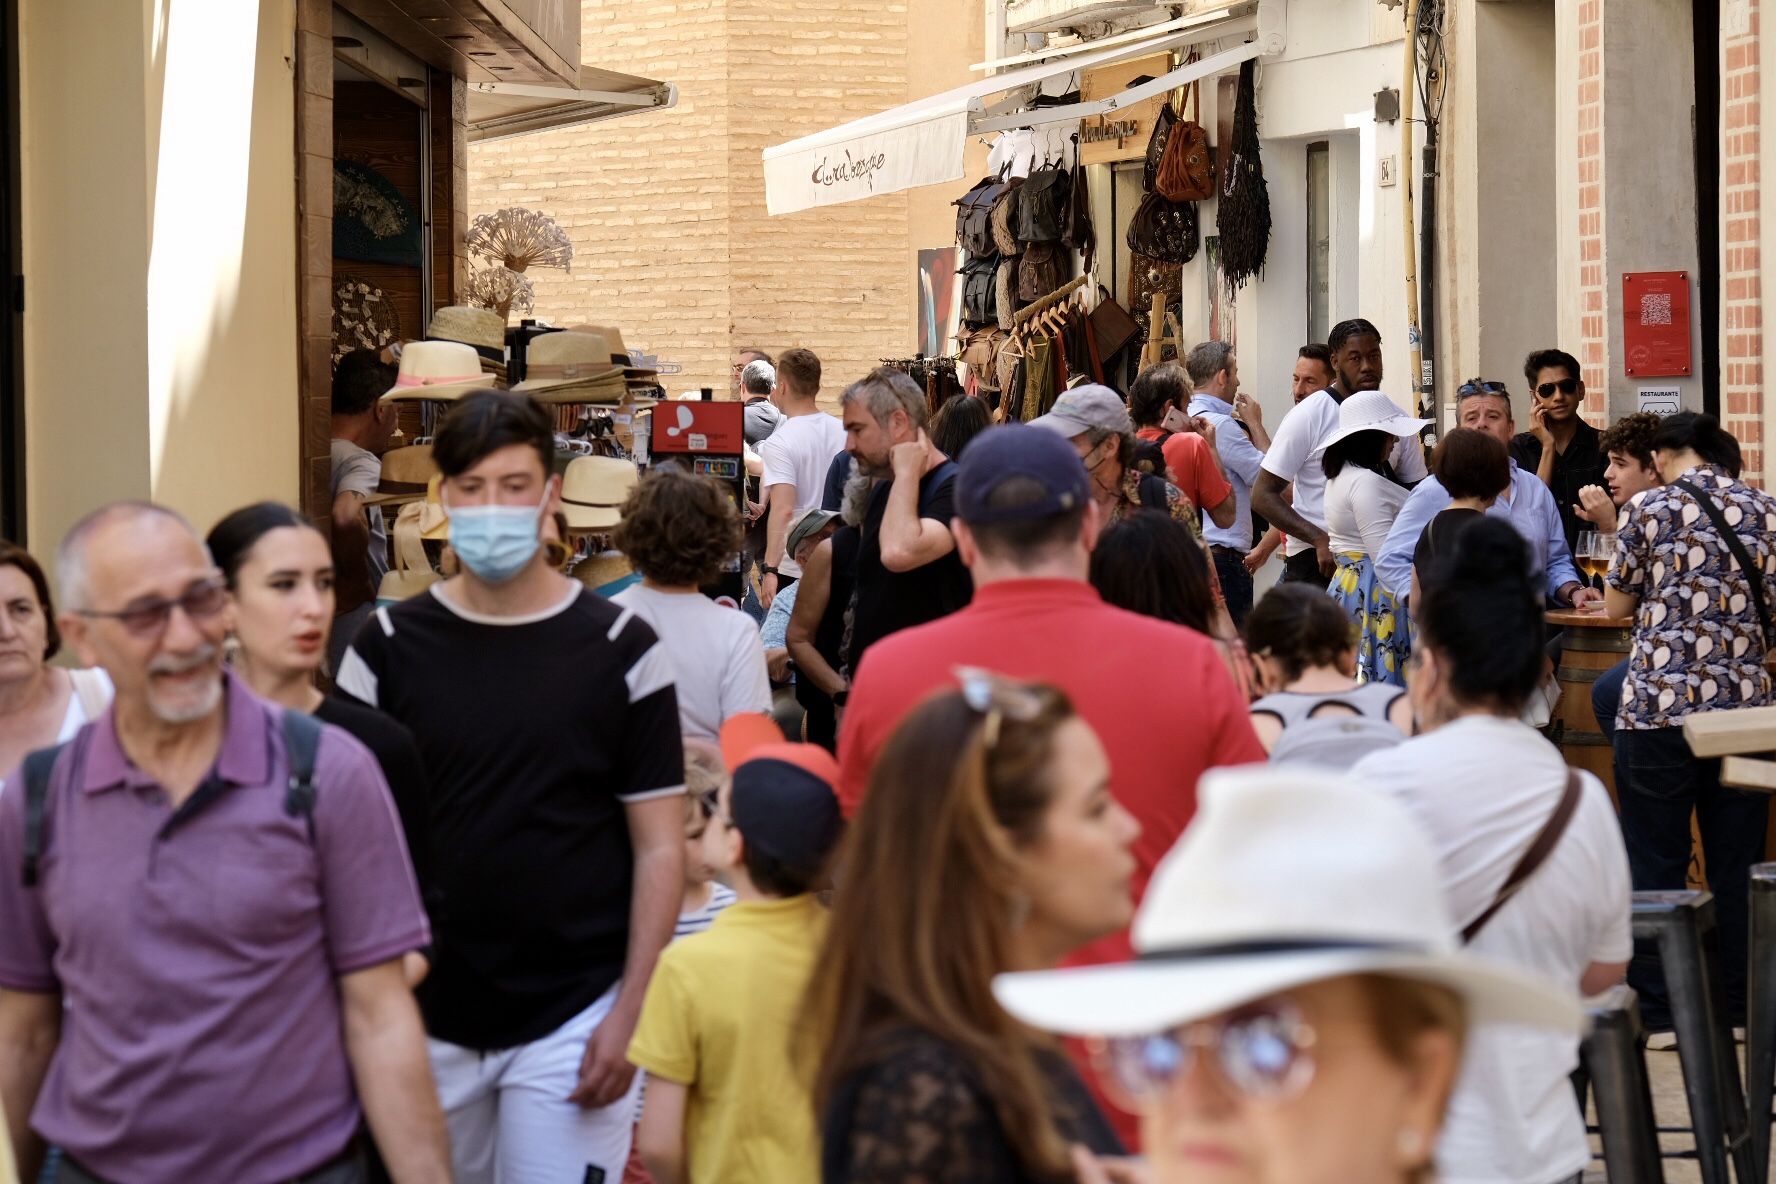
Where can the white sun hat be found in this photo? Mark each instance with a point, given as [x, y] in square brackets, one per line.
[1373, 411]
[1286, 877]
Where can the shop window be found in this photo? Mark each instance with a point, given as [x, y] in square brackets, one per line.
[1319, 240]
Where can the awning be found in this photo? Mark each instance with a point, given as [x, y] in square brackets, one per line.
[498, 110]
[923, 143]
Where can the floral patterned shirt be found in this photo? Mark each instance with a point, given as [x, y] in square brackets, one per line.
[1178, 504]
[1698, 643]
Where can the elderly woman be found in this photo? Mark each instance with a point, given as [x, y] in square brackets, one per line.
[40, 705]
[1299, 1004]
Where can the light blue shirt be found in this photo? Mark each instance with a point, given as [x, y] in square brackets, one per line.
[1241, 458]
[1531, 510]
[774, 631]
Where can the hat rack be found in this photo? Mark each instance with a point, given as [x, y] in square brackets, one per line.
[1042, 305]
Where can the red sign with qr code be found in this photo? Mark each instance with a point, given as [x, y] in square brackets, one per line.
[1656, 324]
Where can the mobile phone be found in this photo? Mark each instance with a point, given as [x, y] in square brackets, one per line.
[1175, 421]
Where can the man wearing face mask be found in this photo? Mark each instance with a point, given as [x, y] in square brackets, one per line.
[551, 720]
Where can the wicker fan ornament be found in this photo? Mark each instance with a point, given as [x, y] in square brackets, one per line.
[516, 238]
[363, 316]
[501, 289]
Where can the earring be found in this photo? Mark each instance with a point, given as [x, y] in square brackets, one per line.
[1411, 1144]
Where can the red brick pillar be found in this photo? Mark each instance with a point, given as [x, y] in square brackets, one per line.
[1742, 358]
[1594, 335]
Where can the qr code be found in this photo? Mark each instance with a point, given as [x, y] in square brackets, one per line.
[1655, 308]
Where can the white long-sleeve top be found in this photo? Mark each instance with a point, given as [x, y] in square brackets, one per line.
[1361, 506]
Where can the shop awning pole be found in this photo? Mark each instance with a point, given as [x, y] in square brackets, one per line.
[1183, 76]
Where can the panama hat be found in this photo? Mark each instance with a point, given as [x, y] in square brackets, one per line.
[571, 367]
[1286, 877]
[405, 472]
[1373, 411]
[592, 490]
[619, 353]
[480, 327]
[442, 370]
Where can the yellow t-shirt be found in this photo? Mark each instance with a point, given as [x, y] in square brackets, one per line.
[719, 1017]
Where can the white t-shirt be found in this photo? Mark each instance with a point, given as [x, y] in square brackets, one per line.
[358, 470]
[717, 659]
[1361, 506]
[93, 692]
[1299, 446]
[1513, 1119]
[798, 453]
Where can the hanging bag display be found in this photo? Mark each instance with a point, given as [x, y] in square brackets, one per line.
[1042, 268]
[1042, 205]
[1164, 230]
[1242, 212]
[1187, 166]
[1081, 235]
[1003, 218]
[980, 305]
[1163, 123]
[974, 211]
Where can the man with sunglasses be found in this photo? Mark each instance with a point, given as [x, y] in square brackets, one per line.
[193, 972]
[1560, 448]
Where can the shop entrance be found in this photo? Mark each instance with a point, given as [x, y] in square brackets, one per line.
[12, 360]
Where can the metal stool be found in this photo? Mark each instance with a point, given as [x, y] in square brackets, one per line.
[1760, 1017]
[1682, 924]
[1613, 1061]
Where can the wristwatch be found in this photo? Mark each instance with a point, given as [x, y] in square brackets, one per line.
[766, 569]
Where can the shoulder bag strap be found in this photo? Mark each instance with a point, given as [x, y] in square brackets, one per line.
[1539, 849]
[1754, 575]
[39, 768]
[302, 741]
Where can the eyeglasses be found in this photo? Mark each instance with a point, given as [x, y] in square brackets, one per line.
[1263, 1051]
[201, 601]
[1482, 386]
[1565, 386]
[998, 699]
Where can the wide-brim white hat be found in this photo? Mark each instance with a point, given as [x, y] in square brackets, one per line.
[1286, 877]
[593, 490]
[437, 370]
[1373, 411]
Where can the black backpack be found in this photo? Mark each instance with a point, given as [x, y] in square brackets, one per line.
[980, 300]
[302, 740]
[1042, 205]
[974, 210]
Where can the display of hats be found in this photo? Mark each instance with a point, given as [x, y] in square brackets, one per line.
[442, 370]
[571, 367]
[434, 519]
[405, 474]
[593, 490]
[619, 353]
[480, 327]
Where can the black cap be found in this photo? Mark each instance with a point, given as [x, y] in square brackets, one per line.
[1019, 450]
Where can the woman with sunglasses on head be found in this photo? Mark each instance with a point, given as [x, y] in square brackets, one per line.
[988, 842]
[40, 704]
[279, 572]
[1502, 791]
[1298, 1006]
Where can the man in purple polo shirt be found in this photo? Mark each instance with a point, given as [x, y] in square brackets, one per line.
[227, 973]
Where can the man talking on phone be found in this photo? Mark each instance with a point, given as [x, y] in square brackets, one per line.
[1560, 447]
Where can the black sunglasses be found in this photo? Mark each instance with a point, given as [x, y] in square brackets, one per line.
[1565, 386]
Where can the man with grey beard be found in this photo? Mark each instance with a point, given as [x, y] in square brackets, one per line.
[200, 974]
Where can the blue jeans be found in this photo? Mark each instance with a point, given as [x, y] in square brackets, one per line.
[1236, 582]
[1659, 782]
[1606, 697]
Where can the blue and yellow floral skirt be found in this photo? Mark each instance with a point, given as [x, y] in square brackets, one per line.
[1384, 638]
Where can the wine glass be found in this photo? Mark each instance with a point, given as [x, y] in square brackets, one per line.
[1583, 551]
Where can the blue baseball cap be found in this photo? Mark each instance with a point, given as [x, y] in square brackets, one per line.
[1020, 450]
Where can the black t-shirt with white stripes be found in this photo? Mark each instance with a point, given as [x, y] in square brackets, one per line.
[534, 731]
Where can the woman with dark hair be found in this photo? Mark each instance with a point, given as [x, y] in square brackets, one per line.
[279, 571]
[1695, 567]
[40, 705]
[957, 422]
[989, 841]
[1496, 787]
[678, 529]
[1305, 654]
[1363, 497]
[1151, 564]
[1474, 468]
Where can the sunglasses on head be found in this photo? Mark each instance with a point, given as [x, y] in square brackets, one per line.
[997, 699]
[1482, 386]
[1264, 1051]
[1565, 386]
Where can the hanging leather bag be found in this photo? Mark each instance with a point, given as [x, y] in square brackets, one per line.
[1003, 218]
[980, 304]
[974, 211]
[1041, 269]
[1042, 205]
[1080, 234]
[1187, 167]
[1112, 328]
[1164, 230]
[1163, 123]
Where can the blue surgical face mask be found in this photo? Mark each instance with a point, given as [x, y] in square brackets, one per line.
[496, 542]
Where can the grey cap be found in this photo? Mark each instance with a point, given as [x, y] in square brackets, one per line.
[808, 524]
[1085, 408]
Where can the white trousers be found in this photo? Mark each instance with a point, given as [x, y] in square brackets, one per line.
[509, 1114]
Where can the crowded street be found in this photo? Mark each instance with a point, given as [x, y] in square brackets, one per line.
[1004, 592]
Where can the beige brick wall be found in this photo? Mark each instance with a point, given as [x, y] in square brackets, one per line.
[667, 213]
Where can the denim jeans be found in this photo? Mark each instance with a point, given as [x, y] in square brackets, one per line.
[1659, 782]
[1606, 697]
[1236, 582]
[1304, 568]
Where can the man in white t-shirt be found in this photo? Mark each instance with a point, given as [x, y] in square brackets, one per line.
[796, 458]
[1299, 445]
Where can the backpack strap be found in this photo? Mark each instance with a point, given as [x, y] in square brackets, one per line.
[302, 743]
[1534, 856]
[39, 767]
[1754, 575]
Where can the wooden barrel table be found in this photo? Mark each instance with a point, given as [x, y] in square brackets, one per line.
[1592, 644]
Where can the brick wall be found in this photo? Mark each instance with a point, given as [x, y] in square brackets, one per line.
[1594, 330]
[666, 210]
[1742, 308]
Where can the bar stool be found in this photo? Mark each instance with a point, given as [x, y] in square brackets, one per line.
[1682, 924]
[1613, 1061]
[1760, 1018]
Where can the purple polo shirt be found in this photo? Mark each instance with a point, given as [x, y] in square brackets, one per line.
[202, 1038]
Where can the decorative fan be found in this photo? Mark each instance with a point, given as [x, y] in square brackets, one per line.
[501, 289]
[363, 316]
[372, 222]
[516, 238]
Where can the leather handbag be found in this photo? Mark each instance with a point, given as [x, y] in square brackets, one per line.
[1187, 167]
[1002, 219]
[1112, 328]
[1163, 123]
[1164, 230]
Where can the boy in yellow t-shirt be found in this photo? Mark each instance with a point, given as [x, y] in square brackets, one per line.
[725, 1102]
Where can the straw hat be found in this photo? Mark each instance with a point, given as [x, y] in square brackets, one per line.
[480, 327]
[434, 520]
[1286, 877]
[593, 490]
[619, 353]
[405, 472]
[442, 370]
[571, 367]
